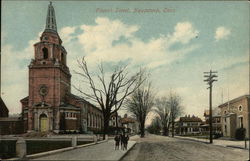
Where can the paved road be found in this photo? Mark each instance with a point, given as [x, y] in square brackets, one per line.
[160, 148]
[102, 152]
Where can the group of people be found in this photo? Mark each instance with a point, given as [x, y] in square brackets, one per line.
[123, 140]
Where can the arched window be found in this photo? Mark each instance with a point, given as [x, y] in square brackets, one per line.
[240, 108]
[45, 53]
[62, 57]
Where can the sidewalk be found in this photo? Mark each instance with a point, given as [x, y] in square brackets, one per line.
[224, 143]
[103, 151]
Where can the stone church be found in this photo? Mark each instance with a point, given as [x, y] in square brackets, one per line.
[50, 105]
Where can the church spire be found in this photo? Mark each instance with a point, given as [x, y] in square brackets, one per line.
[51, 19]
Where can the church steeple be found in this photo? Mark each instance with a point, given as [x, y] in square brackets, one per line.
[51, 19]
[50, 34]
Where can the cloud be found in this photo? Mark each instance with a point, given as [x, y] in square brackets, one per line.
[184, 32]
[66, 33]
[113, 41]
[108, 40]
[221, 33]
[101, 36]
[15, 73]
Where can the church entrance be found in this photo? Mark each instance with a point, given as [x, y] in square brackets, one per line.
[43, 123]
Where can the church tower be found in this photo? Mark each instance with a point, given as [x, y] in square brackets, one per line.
[48, 71]
[49, 79]
[50, 105]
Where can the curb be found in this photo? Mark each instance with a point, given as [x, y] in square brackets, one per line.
[225, 146]
[126, 152]
[37, 155]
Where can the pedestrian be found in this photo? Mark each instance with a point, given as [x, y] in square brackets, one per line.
[121, 140]
[126, 138]
[117, 142]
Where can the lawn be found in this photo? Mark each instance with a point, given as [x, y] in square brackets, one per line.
[8, 150]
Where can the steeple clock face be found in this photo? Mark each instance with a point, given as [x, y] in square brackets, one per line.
[43, 91]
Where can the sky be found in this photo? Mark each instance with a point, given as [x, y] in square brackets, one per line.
[175, 41]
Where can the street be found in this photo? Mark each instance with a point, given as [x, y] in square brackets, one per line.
[154, 148]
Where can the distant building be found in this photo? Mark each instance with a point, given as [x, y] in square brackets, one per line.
[216, 121]
[4, 112]
[113, 121]
[130, 124]
[188, 125]
[234, 115]
[9, 125]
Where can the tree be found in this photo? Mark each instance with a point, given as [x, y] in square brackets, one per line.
[174, 102]
[162, 108]
[139, 104]
[154, 127]
[109, 95]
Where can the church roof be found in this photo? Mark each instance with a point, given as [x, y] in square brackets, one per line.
[80, 99]
[24, 99]
[69, 107]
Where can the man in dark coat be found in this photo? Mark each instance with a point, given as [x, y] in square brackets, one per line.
[117, 142]
[122, 141]
[126, 138]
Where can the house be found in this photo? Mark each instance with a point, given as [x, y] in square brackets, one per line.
[9, 125]
[115, 120]
[216, 121]
[235, 114]
[130, 124]
[188, 125]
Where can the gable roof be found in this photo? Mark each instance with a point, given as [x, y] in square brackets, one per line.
[234, 100]
[190, 119]
[4, 111]
[24, 99]
[127, 120]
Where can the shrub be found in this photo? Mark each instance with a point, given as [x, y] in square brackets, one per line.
[240, 133]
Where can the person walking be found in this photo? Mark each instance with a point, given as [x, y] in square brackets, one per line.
[126, 138]
[117, 142]
[122, 141]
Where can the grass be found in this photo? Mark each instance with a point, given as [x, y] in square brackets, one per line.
[8, 147]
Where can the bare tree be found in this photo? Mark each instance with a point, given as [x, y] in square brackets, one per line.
[154, 127]
[162, 108]
[110, 94]
[174, 102]
[139, 104]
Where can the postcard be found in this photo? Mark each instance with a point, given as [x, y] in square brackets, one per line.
[125, 80]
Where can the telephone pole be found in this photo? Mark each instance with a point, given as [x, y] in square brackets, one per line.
[209, 78]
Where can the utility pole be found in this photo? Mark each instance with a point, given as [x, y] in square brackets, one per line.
[209, 78]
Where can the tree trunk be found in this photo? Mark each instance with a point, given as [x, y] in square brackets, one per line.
[165, 131]
[172, 128]
[142, 130]
[105, 127]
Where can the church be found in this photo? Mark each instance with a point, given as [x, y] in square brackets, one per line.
[50, 105]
